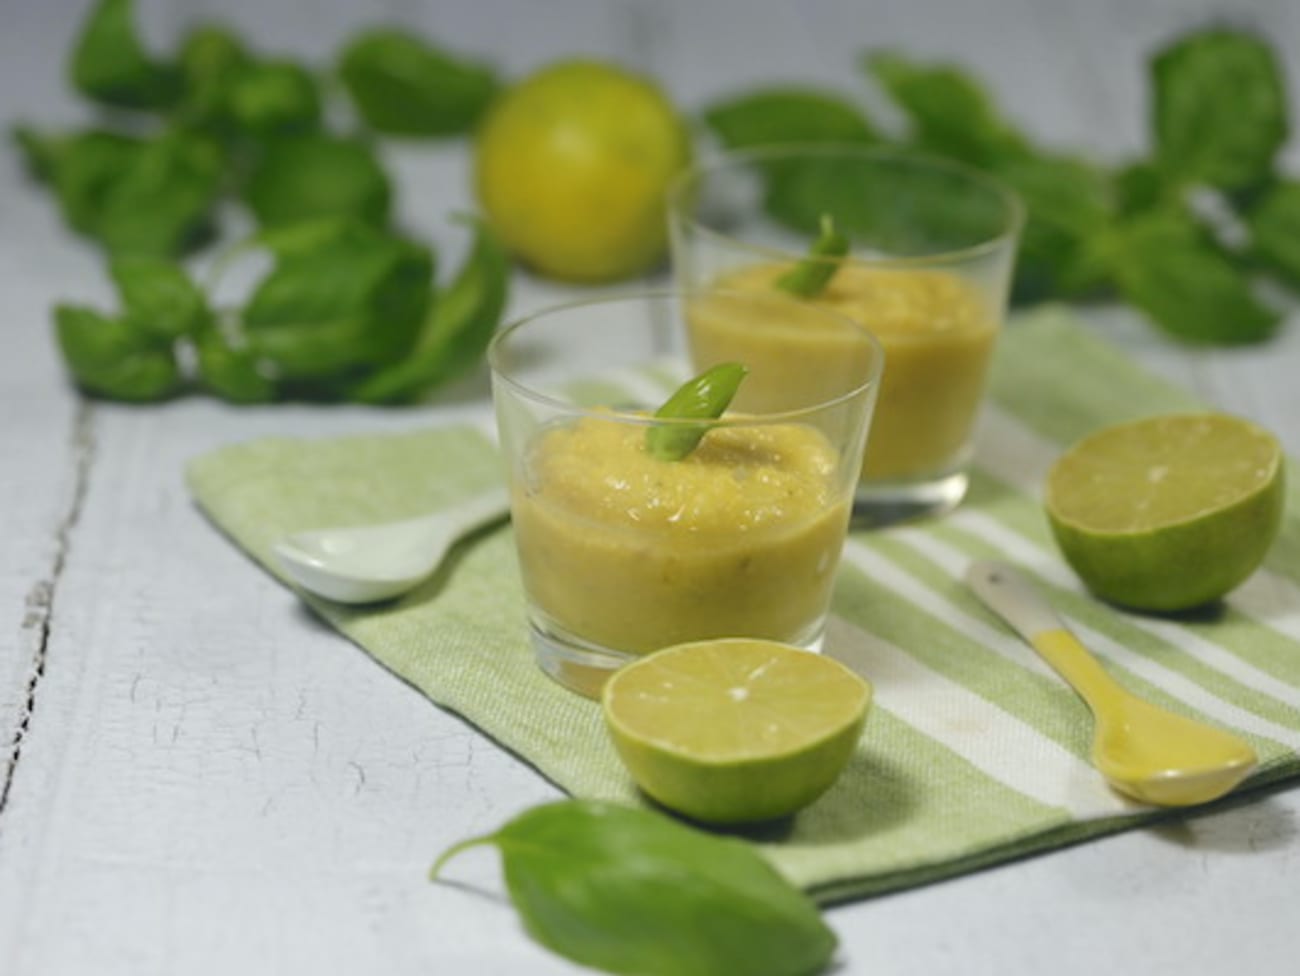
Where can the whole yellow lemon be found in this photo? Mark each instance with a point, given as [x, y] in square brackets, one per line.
[572, 165]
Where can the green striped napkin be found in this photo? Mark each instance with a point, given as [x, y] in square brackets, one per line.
[974, 752]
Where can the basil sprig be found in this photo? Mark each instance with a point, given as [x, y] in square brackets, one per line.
[455, 335]
[704, 397]
[635, 892]
[1218, 112]
[809, 277]
[350, 309]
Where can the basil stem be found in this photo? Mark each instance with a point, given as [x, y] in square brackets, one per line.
[704, 397]
[809, 277]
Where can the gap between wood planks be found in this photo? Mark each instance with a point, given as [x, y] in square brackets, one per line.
[44, 593]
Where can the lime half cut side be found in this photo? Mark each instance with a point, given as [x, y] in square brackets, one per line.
[1169, 512]
[735, 730]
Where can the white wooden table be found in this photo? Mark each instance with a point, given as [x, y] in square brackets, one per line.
[196, 777]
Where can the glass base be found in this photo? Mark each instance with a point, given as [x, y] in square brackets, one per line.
[584, 667]
[877, 504]
[580, 667]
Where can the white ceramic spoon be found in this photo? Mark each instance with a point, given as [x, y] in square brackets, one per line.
[369, 563]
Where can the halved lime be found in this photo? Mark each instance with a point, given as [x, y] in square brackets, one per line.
[1169, 512]
[735, 730]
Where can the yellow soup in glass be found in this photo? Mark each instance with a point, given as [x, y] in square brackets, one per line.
[936, 331]
[625, 551]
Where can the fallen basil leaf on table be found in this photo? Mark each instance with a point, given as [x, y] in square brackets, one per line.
[635, 892]
[455, 333]
[110, 357]
[158, 297]
[269, 98]
[136, 196]
[41, 153]
[302, 237]
[787, 115]
[1169, 267]
[1274, 224]
[1219, 109]
[110, 65]
[402, 85]
[353, 302]
[81, 167]
[944, 211]
[162, 202]
[231, 373]
[1141, 186]
[210, 56]
[1069, 203]
[304, 177]
[949, 111]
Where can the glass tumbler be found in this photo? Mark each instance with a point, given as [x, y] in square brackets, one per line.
[623, 552]
[931, 252]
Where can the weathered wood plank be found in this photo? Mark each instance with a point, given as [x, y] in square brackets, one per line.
[212, 783]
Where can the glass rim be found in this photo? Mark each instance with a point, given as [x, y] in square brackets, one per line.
[643, 419]
[720, 161]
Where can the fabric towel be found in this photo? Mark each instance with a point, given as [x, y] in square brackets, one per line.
[974, 751]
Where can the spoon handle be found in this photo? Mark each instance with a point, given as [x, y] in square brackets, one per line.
[491, 506]
[1009, 595]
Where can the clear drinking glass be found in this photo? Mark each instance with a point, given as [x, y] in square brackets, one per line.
[932, 251]
[622, 553]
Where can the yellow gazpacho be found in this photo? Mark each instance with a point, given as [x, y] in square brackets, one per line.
[626, 552]
[936, 330]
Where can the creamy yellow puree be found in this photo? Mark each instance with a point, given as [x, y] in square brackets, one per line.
[630, 553]
[936, 331]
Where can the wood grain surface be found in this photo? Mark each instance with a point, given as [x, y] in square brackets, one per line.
[198, 778]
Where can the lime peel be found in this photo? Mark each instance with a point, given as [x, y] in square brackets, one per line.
[1169, 512]
[735, 730]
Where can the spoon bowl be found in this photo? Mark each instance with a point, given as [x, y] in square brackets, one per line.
[1159, 757]
[1146, 752]
[370, 563]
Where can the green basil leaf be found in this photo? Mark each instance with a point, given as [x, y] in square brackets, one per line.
[456, 333]
[703, 397]
[83, 168]
[286, 240]
[1219, 108]
[787, 115]
[632, 891]
[151, 197]
[110, 64]
[210, 57]
[162, 201]
[41, 153]
[159, 298]
[809, 277]
[112, 358]
[1142, 186]
[1166, 265]
[404, 86]
[897, 211]
[311, 176]
[949, 111]
[231, 373]
[1069, 203]
[354, 303]
[1274, 224]
[269, 98]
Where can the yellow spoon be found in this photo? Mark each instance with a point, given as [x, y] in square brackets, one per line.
[1143, 751]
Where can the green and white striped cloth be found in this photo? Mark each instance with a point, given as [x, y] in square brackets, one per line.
[974, 752]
